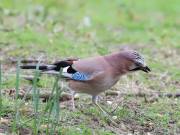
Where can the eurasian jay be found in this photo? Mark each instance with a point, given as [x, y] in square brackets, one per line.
[97, 74]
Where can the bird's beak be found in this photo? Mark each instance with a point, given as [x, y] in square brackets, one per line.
[145, 69]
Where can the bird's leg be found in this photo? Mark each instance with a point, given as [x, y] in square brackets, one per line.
[72, 100]
[73, 93]
[94, 100]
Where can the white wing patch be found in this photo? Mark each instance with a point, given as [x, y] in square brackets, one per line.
[78, 76]
[65, 73]
[65, 69]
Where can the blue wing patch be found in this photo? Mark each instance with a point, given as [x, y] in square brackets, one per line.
[79, 76]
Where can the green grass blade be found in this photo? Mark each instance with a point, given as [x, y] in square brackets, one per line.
[16, 121]
[36, 100]
[0, 88]
[54, 106]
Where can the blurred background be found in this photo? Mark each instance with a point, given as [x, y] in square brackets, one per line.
[57, 29]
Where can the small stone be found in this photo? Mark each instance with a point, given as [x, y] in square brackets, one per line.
[87, 21]
[109, 102]
[114, 117]
[44, 126]
[4, 121]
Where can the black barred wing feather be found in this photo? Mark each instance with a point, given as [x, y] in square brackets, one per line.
[79, 76]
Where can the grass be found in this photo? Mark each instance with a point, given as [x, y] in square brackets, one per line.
[17, 117]
[59, 29]
[0, 88]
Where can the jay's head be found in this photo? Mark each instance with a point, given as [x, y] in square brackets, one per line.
[135, 61]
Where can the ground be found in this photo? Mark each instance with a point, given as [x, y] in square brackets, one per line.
[57, 29]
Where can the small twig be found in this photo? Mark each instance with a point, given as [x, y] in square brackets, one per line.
[4, 43]
[141, 94]
[45, 94]
[6, 29]
[24, 61]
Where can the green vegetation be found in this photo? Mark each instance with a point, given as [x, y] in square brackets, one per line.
[57, 29]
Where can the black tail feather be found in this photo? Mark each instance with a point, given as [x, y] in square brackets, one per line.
[55, 66]
[41, 67]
